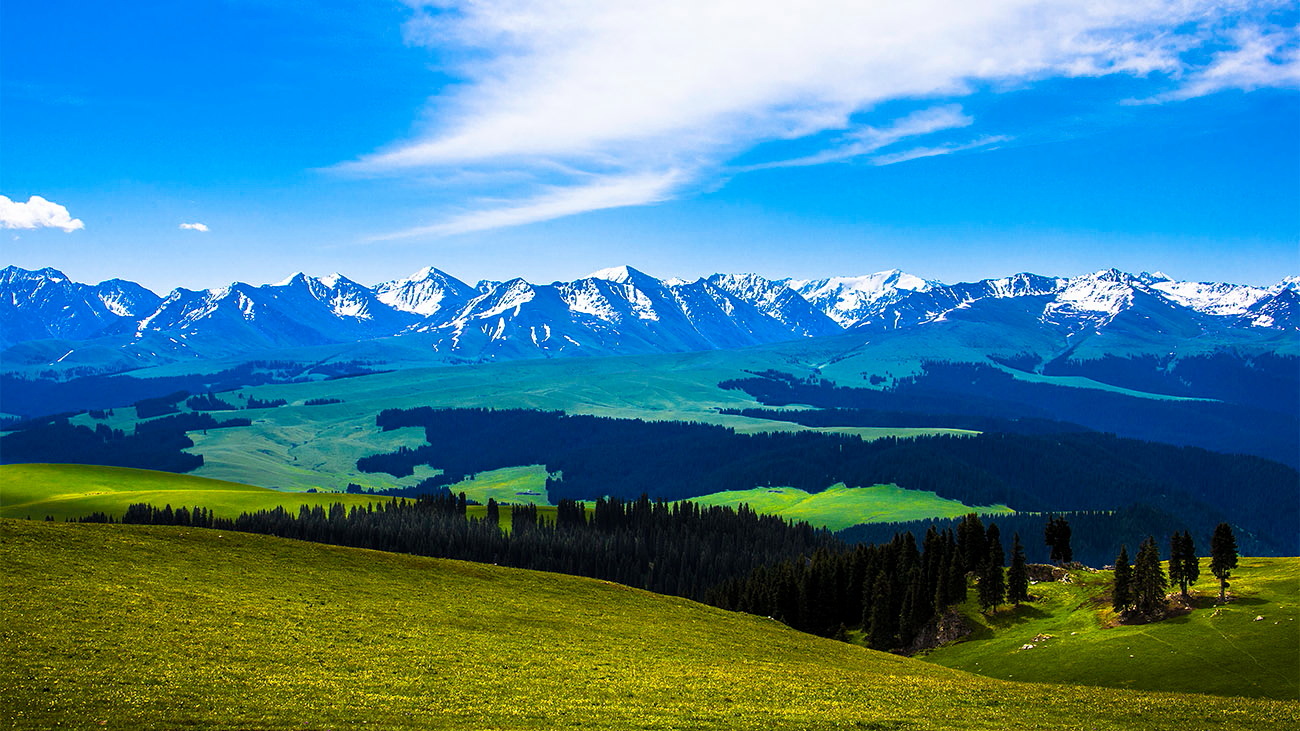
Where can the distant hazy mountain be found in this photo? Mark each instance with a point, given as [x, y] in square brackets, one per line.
[45, 317]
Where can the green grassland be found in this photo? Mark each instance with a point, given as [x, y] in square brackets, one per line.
[72, 491]
[509, 485]
[839, 507]
[166, 627]
[298, 447]
[1213, 649]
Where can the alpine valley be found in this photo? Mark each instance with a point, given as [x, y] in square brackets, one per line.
[875, 415]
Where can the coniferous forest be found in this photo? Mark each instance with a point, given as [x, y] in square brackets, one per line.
[591, 457]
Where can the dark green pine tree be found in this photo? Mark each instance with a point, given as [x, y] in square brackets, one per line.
[884, 620]
[1017, 574]
[993, 543]
[1057, 536]
[1192, 567]
[1184, 569]
[956, 578]
[1223, 557]
[970, 542]
[992, 581]
[1148, 579]
[1122, 593]
[493, 513]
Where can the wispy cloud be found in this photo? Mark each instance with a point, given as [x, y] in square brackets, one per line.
[619, 91]
[194, 227]
[36, 213]
[1257, 58]
[917, 153]
[611, 192]
[868, 139]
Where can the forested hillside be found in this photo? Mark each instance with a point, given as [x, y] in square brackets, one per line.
[591, 457]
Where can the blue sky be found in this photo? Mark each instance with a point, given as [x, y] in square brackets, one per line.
[548, 139]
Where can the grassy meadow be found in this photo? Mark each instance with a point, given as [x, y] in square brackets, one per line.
[164, 627]
[72, 491]
[298, 447]
[840, 507]
[1215, 648]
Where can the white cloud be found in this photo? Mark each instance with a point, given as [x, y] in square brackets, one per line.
[917, 153]
[1257, 58]
[36, 213]
[611, 192]
[195, 227]
[868, 139]
[621, 90]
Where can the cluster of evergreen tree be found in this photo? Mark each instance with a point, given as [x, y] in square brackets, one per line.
[1097, 535]
[593, 456]
[1261, 423]
[148, 408]
[1141, 588]
[683, 549]
[891, 591]
[257, 403]
[209, 402]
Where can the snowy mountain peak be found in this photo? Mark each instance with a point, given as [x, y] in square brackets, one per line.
[426, 292]
[620, 275]
[12, 274]
[1291, 283]
[849, 300]
[1153, 277]
[296, 277]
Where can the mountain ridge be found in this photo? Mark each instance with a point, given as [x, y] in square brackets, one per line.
[613, 311]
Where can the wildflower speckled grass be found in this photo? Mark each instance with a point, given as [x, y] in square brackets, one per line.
[167, 627]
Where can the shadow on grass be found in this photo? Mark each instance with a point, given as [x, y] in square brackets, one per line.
[1003, 619]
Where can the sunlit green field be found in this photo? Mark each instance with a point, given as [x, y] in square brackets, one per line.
[839, 507]
[164, 627]
[1214, 649]
[72, 491]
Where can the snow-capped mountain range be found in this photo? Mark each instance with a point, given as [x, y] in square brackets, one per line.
[611, 311]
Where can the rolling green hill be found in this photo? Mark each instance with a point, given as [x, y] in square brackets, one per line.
[72, 491]
[1213, 649]
[839, 507]
[131, 626]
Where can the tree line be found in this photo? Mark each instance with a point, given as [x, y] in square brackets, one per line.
[683, 549]
[591, 456]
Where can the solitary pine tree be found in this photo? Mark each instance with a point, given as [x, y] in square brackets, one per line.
[1057, 536]
[1148, 578]
[1017, 574]
[1122, 593]
[1223, 556]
